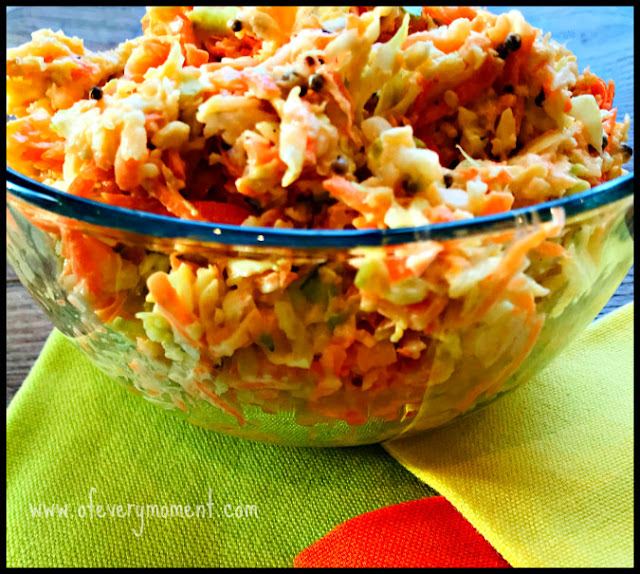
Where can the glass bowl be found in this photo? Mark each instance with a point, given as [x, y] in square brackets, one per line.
[315, 361]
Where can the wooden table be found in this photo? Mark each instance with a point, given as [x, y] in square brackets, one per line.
[601, 37]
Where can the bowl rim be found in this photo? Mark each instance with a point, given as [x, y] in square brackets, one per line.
[144, 223]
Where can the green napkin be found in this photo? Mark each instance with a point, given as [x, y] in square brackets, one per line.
[547, 475]
[72, 433]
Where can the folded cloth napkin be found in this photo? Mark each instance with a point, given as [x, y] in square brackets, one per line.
[76, 438]
[547, 475]
[427, 533]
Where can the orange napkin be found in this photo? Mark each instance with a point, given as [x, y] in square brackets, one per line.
[428, 533]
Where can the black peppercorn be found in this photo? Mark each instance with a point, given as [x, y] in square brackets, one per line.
[303, 91]
[236, 25]
[310, 60]
[605, 141]
[95, 93]
[321, 60]
[363, 173]
[448, 179]
[253, 203]
[511, 44]
[410, 185]
[372, 102]
[508, 89]
[339, 166]
[316, 82]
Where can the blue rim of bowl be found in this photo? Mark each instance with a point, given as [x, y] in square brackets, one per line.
[144, 223]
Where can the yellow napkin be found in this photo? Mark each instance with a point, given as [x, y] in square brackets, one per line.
[546, 476]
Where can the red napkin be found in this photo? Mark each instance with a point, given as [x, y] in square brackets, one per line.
[427, 533]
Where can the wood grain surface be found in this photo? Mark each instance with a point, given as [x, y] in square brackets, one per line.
[601, 37]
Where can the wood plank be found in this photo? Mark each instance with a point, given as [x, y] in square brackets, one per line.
[11, 275]
[27, 329]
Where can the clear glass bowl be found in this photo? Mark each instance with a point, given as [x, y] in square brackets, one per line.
[329, 390]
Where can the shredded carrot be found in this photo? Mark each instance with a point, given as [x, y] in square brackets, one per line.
[469, 172]
[267, 154]
[608, 126]
[175, 163]
[480, 82]
[172, 307]
[150, 117]
[550, 249]
[446, 44]
[355, 198]
[430, 308]
[110, 311]
[439, 214]
[433, 113]
[195, 56]
[516, 62]
[218, 212]
[127, 173]
[501, 237]
[217, 400]
[82, 186]
[447, 14]
[568, 105]
[599, 91]
[343, 189]
[82, 69]
[44, 151]
[523, 302]
[497, 202]
[495, 283]
[310, 150]
[92, 261]
[285, 16]
[610, 94]
[333, 358]
[503, 176]
[173, 201]
[153, 54]
[397, 268]
[341, 95]
[499, 30]
[84, 183]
